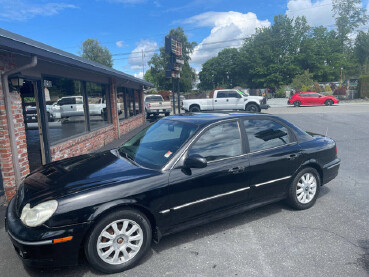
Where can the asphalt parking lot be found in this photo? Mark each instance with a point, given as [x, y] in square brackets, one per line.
[330, 239]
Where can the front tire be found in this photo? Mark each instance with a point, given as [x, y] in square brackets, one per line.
[304, 189]
[252, 108]
[297, 103]
[118, 241]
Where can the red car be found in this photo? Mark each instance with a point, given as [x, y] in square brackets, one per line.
[311, 98]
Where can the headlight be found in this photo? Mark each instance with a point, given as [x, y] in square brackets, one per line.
[37, 215]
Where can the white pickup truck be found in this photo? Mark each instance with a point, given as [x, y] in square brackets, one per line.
[155, 105]
[227, 99]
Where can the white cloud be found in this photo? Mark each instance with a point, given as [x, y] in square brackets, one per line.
[228, 30]
[135, 58]
[22, 10]
[317, 13]
[120, 44]
[139, 75]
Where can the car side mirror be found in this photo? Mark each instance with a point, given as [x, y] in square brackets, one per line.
[319, 96]
[195, 161]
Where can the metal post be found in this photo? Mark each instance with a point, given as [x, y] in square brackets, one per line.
[179, 100]
[174, 102]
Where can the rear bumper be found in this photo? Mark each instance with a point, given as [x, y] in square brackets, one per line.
[35, 246]
[158, 111]
[330, 170]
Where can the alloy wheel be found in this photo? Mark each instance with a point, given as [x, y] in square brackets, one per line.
[119, 241]
[306, 188]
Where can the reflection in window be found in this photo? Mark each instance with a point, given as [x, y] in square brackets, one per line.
[263, 134]
[221, 141]
[97, 105]
[129, 103]
[64, 105]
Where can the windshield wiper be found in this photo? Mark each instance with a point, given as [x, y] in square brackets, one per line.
[127, 156]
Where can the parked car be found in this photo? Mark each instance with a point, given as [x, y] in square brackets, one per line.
[155, 105]
[311, 98]
[227, 100]
[73, 106]
[180, 172]
[31, 114]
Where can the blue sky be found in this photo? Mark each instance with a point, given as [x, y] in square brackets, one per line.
[126, 26]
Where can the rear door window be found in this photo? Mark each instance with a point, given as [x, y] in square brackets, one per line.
[265, 133]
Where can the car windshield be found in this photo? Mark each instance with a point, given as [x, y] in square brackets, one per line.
[154, 146]
[154, 99]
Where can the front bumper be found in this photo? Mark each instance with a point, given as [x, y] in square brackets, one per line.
[35, 245]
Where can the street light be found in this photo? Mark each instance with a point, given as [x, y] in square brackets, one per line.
[341, 76]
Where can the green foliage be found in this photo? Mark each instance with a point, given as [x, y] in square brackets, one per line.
[364, 86]
[281, 92]
[349, 15]
[362, 50]
[303, 82]
[94, 51]
[159, 64]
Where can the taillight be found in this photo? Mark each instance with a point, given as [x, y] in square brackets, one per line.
[149, 105]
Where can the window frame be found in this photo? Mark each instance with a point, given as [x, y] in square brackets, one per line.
[291, 135]
[202, 131]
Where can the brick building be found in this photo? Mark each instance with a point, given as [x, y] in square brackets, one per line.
[55, 105]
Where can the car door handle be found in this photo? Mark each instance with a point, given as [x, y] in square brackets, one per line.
[227, 100]
[236, 169]
[215, 100]
[293, 156]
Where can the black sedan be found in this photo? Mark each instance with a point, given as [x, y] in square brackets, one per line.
[179, 172]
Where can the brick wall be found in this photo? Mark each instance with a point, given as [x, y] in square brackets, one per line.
[77, 146]
[6, 162]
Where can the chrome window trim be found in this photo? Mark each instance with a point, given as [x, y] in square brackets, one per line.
[220, 195]
[44, 242]
[280, 146]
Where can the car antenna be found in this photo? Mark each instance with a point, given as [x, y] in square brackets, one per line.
[326, 133]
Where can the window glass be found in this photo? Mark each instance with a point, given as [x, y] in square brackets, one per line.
[97, 105]
[222, 94]
[233, 94]
[131, 102]
[263, 134]
[65, 110]
[314, 95]
[122, 103]
[154, 146]
[221, 141]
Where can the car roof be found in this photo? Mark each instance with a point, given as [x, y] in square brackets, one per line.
[208, 118]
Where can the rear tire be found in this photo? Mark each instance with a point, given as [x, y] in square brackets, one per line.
[118, 241]
[304, 189]
[297, 103]
[328, 102]
[195, 109]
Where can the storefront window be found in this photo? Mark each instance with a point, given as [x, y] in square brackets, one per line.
[121, 100]
[129, 103]
[64, 106]
[98, 105]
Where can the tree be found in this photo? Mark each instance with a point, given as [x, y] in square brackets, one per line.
[349, 16]
[362, 50]
[159, 64]
[302, 82]
[94, 51]
[223, 70]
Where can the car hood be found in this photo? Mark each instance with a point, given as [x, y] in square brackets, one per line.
[76, 174]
